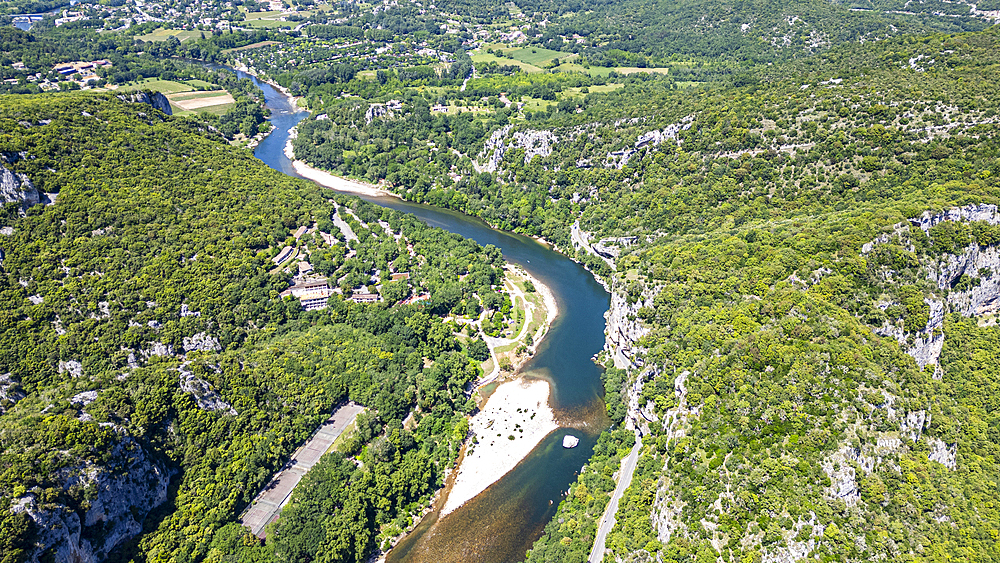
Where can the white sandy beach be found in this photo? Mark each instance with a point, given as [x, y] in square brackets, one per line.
[329, 180]
[517, 408]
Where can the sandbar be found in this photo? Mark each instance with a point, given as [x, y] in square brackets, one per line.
[517, 408]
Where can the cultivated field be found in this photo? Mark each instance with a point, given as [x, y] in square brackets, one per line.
[200, 101]
[163, 34]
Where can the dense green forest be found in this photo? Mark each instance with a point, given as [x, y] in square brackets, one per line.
[794, 431]
[153, 270]
[649, 33]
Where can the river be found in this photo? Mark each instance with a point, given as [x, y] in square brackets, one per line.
[502, 523]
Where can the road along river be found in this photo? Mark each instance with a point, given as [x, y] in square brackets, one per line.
[500, 524]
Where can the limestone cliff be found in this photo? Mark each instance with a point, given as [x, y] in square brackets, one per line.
[624, 330]
[17, 188]
[118, 496]
[979, 265]
[154, 99]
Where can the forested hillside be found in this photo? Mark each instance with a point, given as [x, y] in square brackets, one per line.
[154, 379]
[783, 239]
[651, 32]
[815, 274]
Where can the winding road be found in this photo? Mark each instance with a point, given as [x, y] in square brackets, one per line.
[608, 518]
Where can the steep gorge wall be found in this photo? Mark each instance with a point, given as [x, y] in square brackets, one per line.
[118, 496]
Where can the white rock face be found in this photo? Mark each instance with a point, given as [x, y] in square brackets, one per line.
[843, 486]
[534, 143]
[945, 274]
[187, 312]
[201, 342]
[206, 397]
[158, 349]
[84, 398]
[17, 188]
[943, 453]
[570, 441]
[793, 550]
[667, 505]
[623, 332]
[156, 100]
[73, 367]
[10, 390]
[126, 490]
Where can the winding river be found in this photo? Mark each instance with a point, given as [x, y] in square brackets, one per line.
[502, 523]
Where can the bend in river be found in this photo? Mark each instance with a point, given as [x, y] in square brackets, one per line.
[502, 523]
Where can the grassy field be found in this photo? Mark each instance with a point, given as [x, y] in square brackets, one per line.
[200, 84]
[600, 88]
[163, 34]
[535, 104]
[484, 57]
[214, 110]
[268, 24]
[199, 95]
[165, 86]
[634, 70]
[251, 46]
[540, 57]
[592, 71]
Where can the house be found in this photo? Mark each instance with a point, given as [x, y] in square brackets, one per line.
[283, 255]
[312, 294]
[401, 276]
[365, 297]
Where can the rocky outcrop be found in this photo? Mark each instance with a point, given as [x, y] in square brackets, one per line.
[974, 263]
[72, 367]
[17, 188]
[201, 342]
[154, 99]
[624, 330]
[943, 453]
[10, 392]
[667, 505]
[534, 143]
[206, 397]
[121, 494]
[843, 481]
[581, 241]
[611, 247]
[376, 111]
[618, 159]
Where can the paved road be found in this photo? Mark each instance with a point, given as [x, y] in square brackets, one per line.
[608, 518]
[268, 504]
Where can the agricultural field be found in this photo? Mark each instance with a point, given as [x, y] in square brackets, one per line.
[213, 101]
[539, 56]
[635, 70]
[201, 84]
[251, 46]
[269, 20]
[595, 89]
[162, 34]
[484, 57]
